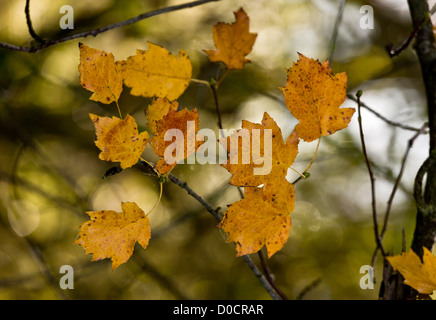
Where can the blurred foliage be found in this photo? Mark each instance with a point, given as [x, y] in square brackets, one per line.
[50, 174]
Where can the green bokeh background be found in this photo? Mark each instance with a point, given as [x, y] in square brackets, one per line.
[50, 174]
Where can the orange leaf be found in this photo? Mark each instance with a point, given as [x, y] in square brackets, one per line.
[419, 275]
[313, 95]
[98, 73]
[255, 172]
[157, 110]
[233, 42]
[119, 140]
[262, 218]
[185, 123]
[157, 72]
[110, 234]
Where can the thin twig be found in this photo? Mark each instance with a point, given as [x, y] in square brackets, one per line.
[29, 23]
[395, 51]
[395, 187]
[94, 32]
[397, 181]
[390, 122]
[217, 106]
[335, 30]
[261, 277]
[193, 194]
[371, 176]
[308, 288]
[269, 276]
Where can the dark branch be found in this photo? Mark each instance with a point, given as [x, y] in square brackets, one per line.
[143, 166]
[29, 23]
[378, 115]
[94, 32]
[396, 185]
[336, 30]
[371, 176]
[193, 194]
[395, 51]
[425, 229]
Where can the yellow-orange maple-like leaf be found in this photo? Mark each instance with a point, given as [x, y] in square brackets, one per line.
[260, 167]
[261, 218]
[232, 41]
[119, 140]
[98, 73]
[110, 234]
[313, 95]
[156, 72]
[184, 122]
[157, 110]
[419, 275]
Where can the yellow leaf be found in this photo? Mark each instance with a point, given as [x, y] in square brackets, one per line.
[313, 95]
[98, 73]
[233, 42]
[119, 140]
[157, 72]
[419, 275]
[261, 165]
[157, 110]
[110, 234]
[261, 218]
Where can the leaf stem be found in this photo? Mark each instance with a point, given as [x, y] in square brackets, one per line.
[298, 172]
[158, 200]
[200, 81]
[151, 166]
[313, 158]
[119, 110]
[218, 82]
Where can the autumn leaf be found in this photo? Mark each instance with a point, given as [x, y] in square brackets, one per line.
[157, 110]
[313, 95]
[98, 73]
[110, 234]
[183, 125]
[250, 142]
[232, 41]
[419, 275]
[261, 218]
[119, 140]
[156, 72]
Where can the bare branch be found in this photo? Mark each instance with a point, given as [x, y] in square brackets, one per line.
[396, 185]
[335, 30]
[94, 32]
[390, 122]
[371, 176]
[29, 23]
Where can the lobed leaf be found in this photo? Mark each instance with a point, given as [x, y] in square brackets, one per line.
[232, 41]
[119, 140]
[156, 72]
[314, 96]
[419, 275]
[110, 234]
[99, 74]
